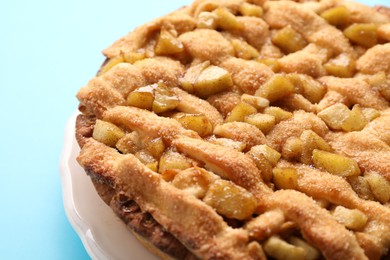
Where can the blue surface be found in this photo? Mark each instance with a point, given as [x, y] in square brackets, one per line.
[49, 49]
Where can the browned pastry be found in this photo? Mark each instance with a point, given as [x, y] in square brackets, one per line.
[235, 129]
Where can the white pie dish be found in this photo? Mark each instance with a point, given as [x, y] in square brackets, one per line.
[103, 234]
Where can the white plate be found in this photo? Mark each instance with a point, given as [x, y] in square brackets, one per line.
[103, 234]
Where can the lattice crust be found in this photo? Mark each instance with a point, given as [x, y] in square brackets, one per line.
[247, 130]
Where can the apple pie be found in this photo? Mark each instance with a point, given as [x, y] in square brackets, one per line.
[247, 129]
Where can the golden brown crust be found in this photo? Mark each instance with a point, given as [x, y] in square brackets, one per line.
[141, 223]
[317, 225]
[356, 91]
[151, 234]
[143, 185]
[84, 128]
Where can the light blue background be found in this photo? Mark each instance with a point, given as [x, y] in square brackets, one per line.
[48, 50]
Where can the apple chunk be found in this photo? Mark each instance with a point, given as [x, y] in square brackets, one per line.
[196, 122]
[107, 133]
[212, 80]
[276, 88]
[335, 163]
[168, 44]
[142, 97]
[285, 178]
[230, 200]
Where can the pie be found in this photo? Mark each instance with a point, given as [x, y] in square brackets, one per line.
[259, 129]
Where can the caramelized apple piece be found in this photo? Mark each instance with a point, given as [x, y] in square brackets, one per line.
[168, 43]
[379, 185]
[129, 143]
[155, 147]
[240, 111]
[269, 153]
[360, 185]
[336, 16]
[212, 80]
[142, 97]
[109, 64]
[289, 40]
[356, 120]
[342, 66]
[335, 163]
[363, 34]
[230, 200]
[296, 102]
[164, 99]
[310, 142]
[244, 50]
[351, 218]
[207, 20]
[226, 20]
[255, 101]
[292, 149]
[335, 115]
[262, 121]
[311, 252]
[281, 250]
[308, 87]
[380, 82]
[285, 178]
[270, 62]
[275, 88]
[247, 9]
[107, 133]
[278, 113]
[195, 181]
[147, 159]
[196, 122]
[132, 57]
[171, 160]
[187, 82]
